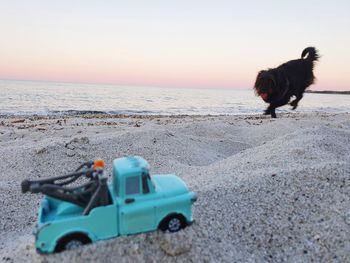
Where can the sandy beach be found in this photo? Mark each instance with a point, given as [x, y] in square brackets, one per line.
[269, 190]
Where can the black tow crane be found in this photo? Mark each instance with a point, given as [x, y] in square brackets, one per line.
[87, 195]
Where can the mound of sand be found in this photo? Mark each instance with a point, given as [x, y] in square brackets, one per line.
[269, 189]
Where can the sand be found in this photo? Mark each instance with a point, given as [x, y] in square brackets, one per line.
[270, 190]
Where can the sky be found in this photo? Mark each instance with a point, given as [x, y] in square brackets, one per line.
[171, 43]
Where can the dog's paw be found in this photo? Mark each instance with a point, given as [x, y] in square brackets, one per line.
[267, 112]
[273, 115]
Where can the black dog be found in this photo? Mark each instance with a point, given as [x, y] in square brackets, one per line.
[276, 86]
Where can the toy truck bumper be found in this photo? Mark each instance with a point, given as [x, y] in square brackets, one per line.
[190, 222]
[193, 199]
[40, 246]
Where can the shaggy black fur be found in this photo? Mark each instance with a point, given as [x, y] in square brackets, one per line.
[276, 86]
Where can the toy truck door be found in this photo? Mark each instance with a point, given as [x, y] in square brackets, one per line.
[137, 211]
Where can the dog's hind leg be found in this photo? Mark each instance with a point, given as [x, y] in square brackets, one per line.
[295, 102]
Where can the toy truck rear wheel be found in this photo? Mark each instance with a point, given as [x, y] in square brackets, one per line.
[72, 241]
[173, 223]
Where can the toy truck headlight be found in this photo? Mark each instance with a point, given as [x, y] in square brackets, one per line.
[194, 198]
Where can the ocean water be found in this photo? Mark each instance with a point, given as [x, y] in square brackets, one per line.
[29, 97]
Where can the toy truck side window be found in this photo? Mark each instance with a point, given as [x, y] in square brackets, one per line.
[132, 185]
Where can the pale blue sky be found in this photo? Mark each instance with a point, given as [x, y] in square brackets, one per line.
[171, 43]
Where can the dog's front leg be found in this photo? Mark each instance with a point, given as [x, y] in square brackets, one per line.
[273, 113]
[267, 111]
[270, 110]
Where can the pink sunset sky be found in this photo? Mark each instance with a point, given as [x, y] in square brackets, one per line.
[209, 44]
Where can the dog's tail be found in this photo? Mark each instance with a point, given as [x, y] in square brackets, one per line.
[312, 54]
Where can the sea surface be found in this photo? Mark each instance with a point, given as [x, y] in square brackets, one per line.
[49, 98]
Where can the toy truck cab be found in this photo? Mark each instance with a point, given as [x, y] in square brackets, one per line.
[147, 203]
[133, 202]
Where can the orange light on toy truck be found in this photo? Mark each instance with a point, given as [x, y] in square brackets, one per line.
[99, 164]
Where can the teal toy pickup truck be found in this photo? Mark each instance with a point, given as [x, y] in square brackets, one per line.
[71, 215]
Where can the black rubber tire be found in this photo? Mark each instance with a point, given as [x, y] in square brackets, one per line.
[71, 242]
[173, 223]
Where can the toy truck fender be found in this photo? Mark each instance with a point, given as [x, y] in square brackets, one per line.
[175, 206]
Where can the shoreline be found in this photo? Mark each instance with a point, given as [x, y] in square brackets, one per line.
[20, 121]
[136, 114]
[328, 92]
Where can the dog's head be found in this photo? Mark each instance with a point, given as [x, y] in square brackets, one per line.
[265, 85]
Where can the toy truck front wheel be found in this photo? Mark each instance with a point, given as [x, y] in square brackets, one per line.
[72, 241]
[173, 223]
